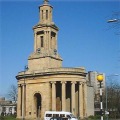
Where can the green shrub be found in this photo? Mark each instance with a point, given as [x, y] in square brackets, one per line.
[7, 118]
[91, 116]
[97, 117]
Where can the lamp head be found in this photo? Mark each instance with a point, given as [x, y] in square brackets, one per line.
[100, 77]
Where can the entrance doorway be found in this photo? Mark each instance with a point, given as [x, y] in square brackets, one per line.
[37, 99]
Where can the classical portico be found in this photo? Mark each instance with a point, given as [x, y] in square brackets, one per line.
[62, 88]
[46, 85]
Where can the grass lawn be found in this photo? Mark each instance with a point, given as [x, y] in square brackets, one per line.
[7, 118]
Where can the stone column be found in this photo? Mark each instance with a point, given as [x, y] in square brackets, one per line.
[63, 96]
[56, 41]
[35, 42]
[49, 97]
[23, 101]
[53, 96]
[7, 109]
[49, 39]
[13, 110]
[81, 99]
[73, 97]
[45, 39]
[19, 102]
[84, 99]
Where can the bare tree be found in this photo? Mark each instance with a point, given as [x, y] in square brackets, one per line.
[114, 100]
[12, 94]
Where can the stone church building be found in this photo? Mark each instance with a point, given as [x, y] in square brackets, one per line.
[46, 85]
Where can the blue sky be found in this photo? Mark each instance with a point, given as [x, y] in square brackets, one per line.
[84, 39]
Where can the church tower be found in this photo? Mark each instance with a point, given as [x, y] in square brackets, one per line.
[45, 53]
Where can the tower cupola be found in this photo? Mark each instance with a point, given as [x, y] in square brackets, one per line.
[45, 13]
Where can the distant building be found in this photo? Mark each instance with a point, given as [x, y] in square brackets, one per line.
[92, 79]
[7, 107]
[92, 76]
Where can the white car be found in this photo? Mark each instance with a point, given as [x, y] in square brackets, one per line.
[56, 115]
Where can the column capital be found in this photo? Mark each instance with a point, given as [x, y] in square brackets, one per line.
[23, 84]
[63, 82]
[73, 82]
[19, 85]
[35, 32]
[82, 83]
[53, 82]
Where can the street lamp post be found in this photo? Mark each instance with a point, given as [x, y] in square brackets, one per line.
[100, 79]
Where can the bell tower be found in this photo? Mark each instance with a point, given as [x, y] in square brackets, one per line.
[45, 53]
